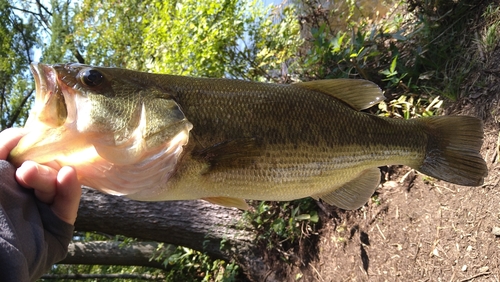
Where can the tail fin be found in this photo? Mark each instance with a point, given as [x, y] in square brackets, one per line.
[453, 150]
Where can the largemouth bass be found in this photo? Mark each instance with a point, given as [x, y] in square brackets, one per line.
[155, 137]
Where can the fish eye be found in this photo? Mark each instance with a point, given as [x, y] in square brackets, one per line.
[92, 77]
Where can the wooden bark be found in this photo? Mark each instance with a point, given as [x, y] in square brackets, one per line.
[102, 276]
[114, 253]
[219, 231]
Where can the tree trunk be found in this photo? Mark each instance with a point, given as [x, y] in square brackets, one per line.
[114, 253]
[102, 276]
[218, 231]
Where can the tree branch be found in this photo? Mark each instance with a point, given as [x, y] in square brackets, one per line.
[38, 16]
[218, 231]
[116, 253]
[42, 7]
[77, 54]
[17, 112]
[103, 276]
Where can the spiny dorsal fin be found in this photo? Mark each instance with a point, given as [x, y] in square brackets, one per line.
[354, 193]
[358, 93]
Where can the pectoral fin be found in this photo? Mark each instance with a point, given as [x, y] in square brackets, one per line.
[230, 154]
[228, 202]
[354, 193]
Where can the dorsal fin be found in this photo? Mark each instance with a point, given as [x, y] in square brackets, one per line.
[358, 93]
[354, 193]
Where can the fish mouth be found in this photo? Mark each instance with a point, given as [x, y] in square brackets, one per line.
[50, 106]
[50, 122]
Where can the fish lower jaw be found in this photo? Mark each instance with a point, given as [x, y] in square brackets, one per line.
[48, 145]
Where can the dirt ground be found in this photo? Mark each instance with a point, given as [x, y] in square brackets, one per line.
[421, 229]
[420, 232]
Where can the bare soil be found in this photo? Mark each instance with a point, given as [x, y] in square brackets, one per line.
[420, 232]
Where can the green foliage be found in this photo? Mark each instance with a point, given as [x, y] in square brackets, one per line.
[192, 37]
[140, 271]
[183, 264]
[392, 76]
[110, 33]
[440, 47]
[60, 47]
[361, 46]
[190, 265]
[491, 33]
[208, 38]
[376, 200]
[279, 224]
[410, 106]
[425, 50]
[272, 57]
[17, 40]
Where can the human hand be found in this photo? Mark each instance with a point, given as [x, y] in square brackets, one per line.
[59, 189]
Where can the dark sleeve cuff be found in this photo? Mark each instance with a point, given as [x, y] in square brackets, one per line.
[57, 231]
[32, 237]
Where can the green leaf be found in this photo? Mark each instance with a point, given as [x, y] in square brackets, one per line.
[314, 217]
[278, 226]
[302, 217]
[393, 65]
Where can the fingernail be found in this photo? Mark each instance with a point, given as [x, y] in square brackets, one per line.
[42, 170]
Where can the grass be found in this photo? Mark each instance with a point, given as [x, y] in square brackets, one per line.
[490, 37]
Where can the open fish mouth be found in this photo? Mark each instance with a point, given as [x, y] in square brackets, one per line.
[51, 120]
[50, 104]
[57, 103]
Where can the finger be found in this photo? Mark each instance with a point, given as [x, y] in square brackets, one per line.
[67, 198]
[40, 178]
[9, 139]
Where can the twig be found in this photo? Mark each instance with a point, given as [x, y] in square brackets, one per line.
[381, 232]
[497, 150]
[475, 276]
[402, 180]
[317, 272]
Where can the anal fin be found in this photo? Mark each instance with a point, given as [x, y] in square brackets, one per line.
[228, 202]
[354, 193]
